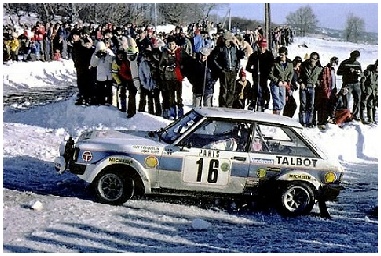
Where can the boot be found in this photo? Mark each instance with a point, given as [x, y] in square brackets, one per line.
[276, 112]
[302, 118]
[180, 112]
[166, 113]
[371, 115]
[158, 109]
[122, 105]
[172, 112]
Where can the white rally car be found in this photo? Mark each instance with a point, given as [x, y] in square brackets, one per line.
[209, 150]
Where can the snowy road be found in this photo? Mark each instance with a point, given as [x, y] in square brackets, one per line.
[70, 222]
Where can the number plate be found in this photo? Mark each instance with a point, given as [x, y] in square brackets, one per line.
[206, 171]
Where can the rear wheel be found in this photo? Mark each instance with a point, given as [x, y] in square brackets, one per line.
[113, 188]
[296, 199]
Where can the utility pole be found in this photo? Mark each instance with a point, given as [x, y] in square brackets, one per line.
[267, 26]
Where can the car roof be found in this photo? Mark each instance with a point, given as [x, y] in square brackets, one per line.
[247, 115]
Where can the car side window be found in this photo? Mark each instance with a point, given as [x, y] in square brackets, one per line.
[220, 135]
[278, 140]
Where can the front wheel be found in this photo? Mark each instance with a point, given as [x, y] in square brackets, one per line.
[296, 199]
[113, 188]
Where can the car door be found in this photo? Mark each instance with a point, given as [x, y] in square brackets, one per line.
[276, 149]
[213, 157]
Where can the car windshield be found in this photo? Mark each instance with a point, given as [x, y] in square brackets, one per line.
[173, 131]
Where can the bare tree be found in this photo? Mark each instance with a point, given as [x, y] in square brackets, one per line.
[303, 20]
[354, 28]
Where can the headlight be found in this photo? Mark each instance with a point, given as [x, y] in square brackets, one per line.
[330, 177]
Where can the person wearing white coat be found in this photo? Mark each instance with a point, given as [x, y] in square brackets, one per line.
[102, 60]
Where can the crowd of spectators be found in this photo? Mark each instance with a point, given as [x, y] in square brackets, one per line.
[110, 55]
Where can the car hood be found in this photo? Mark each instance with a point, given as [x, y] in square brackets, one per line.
[118, 139]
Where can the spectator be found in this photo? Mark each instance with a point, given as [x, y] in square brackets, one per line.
[226, 57]
[280, 75]
[121, 73]
[259, 64]
[147, 83]
[290, 107]
[350, 70]
[369, 94]
[323, 91]
[199, 74]
[102, 59]
[242, 93]
[341, 112]
[82, 51]
[311, 73]
[14, 46]
[170, 69]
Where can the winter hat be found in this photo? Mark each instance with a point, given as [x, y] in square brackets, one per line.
[355, 54]
[101, 46]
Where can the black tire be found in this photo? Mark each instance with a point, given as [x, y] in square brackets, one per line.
[113, 188]
[296, 198]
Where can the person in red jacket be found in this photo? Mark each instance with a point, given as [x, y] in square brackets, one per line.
[171, 75]
[121, 73]
[323, 91]
[38, 39]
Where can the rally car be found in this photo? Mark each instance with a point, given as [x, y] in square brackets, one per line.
[217, 151]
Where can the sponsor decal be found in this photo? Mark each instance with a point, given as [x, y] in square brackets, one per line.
[296, 161]
[87, 156]
[261, 173]
[119, 160]
[299, 176]
[151, 161]
[225, 167]
[209, 153]
[147, 149]
[262, 161]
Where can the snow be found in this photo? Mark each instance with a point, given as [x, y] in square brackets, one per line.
[47, 212]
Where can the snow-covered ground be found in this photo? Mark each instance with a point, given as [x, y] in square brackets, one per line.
[67, 220]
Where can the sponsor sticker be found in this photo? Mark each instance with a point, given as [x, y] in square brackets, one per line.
[87, 156]
[151, 161]
[262, 161]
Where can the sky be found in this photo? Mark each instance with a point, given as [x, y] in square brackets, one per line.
[68, 220]
[331, 15]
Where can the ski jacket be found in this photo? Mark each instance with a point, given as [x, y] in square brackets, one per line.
[227, 58]
[103, 64]
[145, 75]
[281, 72]
[350, 70]
[121, 72]
[310, 76]
[265, 61]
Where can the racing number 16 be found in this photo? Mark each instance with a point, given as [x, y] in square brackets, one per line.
[212, 171]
